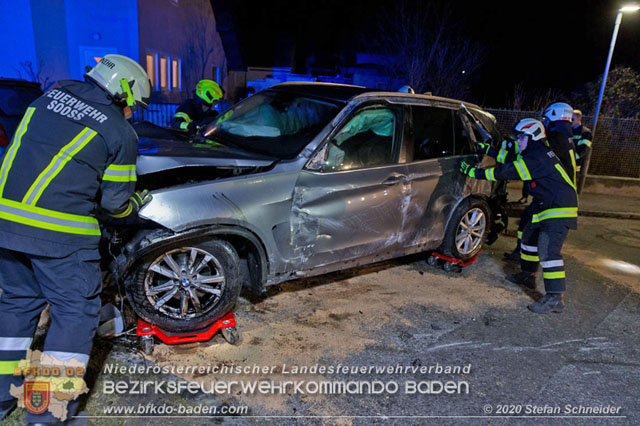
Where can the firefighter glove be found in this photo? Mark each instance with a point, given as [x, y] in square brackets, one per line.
[468, 169]
[483, 147]
[139, 199]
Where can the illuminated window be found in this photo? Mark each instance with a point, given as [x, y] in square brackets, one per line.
[175, 74]
[151, 68]
[164, 70]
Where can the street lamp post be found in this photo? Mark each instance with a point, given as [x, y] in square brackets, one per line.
[585, 164]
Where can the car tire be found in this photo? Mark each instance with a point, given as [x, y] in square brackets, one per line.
[467, 229]
[186, 287]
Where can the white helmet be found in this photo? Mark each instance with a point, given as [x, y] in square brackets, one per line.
[406, 89]
[124, 78]
[531, 127]
[558, 112]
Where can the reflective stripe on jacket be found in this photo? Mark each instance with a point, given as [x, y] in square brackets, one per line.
[554, 194]
[73, 153]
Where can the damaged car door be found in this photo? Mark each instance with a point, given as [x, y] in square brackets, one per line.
[439, 140]
[349, 200]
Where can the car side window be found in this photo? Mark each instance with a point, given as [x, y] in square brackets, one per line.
[366, 140]
[433, 133]
[463, 138]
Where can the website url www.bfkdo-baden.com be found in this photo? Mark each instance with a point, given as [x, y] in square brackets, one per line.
[153, 409]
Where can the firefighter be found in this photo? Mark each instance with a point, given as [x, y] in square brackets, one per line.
[555, 211]
[581, 138]
[510, 152]
[198, 111]
[557, 123]
[73, 155]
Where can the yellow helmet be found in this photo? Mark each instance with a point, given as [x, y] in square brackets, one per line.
[209, 91]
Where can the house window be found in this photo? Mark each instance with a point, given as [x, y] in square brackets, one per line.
[175, 75]
[164, 70]
[151, 68]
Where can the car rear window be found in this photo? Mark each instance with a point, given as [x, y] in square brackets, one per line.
[15, 100]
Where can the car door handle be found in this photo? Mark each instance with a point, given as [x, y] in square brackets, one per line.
[392, 180]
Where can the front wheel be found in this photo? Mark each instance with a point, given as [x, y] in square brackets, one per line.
[186, 287]
[467, 229]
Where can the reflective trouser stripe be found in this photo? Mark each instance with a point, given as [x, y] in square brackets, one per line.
[48, 219]
[586, 142]
[11, 154]
[529, 248]
[57, 163]
[8, 367]
[15, 343]
[522, 169]
[529, 258]
[555, 214]
[553, 275]
[184, 125]
[59, 358]
[120, 173]
[552, 264]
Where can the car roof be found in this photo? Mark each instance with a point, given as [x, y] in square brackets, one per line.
[336, 92]
[344, 92]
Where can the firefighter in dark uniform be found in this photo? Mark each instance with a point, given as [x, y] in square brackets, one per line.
[555, 211]
[557, 123]
[510, 152]
[194, 113]
[581, 139]
[73, 153]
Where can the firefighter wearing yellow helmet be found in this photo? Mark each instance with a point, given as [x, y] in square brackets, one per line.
[196, 112]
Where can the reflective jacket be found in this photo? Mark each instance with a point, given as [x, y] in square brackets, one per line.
[582, 140]
[189, 115]
[554, 194]
[559, 138]
[72, 153]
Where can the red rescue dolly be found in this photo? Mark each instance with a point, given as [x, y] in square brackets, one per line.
[450, 264]
[226, 325]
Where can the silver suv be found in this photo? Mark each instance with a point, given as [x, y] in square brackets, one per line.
[300, 180]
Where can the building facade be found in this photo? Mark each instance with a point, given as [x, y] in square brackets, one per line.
[174, 40]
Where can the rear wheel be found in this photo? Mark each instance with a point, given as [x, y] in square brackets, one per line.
[467, 229]
[186, 287]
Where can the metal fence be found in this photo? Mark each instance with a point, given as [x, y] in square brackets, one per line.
[615, 148]
[160, 114]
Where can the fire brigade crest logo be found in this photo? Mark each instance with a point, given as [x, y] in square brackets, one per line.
[36, 397]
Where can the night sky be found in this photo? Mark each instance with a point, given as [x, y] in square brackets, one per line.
[560, 44]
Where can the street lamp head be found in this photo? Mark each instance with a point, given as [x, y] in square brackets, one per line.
[630, 8]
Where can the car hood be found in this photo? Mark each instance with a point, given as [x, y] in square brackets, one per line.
[155, 155]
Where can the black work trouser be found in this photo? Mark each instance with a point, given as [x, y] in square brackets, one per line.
[543, 246]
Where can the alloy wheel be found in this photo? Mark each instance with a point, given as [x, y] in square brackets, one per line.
[184, 283]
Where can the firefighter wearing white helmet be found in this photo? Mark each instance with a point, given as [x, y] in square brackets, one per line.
[73, 157]
[554, 210]
[124, 79]
[557, 122]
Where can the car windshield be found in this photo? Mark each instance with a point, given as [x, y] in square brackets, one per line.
[273, 123]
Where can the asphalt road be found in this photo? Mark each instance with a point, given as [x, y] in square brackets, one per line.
[517, 367]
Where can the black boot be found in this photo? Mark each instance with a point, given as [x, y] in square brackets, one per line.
[550, 302]
[514, 256]
[523, 278]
